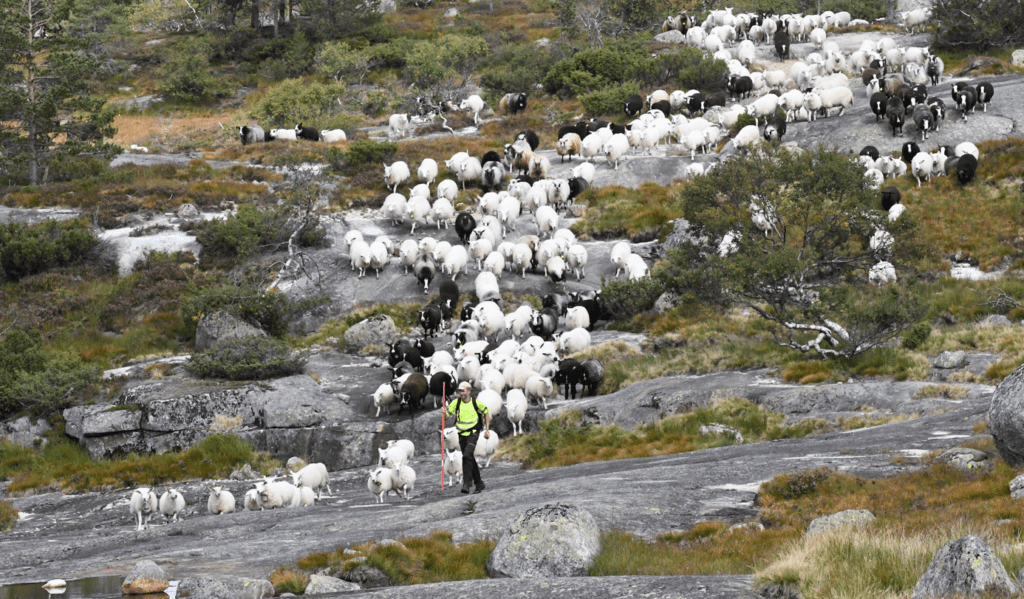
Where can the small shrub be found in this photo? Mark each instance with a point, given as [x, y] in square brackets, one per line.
[795, 486]
[251, 231]
[8, 516]
[186, 74]
[269, 311]
[362, 152]
[943, 390]
[298, 101]
[287, 580]
[30, 249]
[807, 373]
[917, 335]
[628, 298]
[251, 358]
[608, 101]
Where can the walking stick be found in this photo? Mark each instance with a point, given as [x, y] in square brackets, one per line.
[444, 406]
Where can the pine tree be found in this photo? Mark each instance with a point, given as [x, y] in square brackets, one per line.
[46, 108]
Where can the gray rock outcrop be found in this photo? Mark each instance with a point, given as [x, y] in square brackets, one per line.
[367, 577]
[376, 330]
[964, 566]
[146, 577]
[220, 326]
[951, 359]
[1017, 489]
[671, 36]
[1006, 417]
[188, 212]
[24, 432]
[995, 320]
[319, 584]
[965, 458]
[227, 588]
[720, 429]
[1017, 58]
[843, 519]
[553, 540]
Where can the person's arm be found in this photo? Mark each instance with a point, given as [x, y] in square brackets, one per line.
[487, 425]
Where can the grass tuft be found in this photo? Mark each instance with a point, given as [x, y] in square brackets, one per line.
[287, 580]
[8, 516]
[943, 390]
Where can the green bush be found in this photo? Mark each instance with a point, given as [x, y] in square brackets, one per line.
[30, 249]
[299, 101]
[596, 68]
[917, 335]
[517, 69]
[8, 516]
[362, 152]
[269, 311]
[609, 100]
[251, 231]
[30, 379]
[629, 298]
[251, 358]
[186, 74]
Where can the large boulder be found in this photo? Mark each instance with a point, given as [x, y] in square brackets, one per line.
[24, 432]
[672, 36]
[965, 458]
[1006, 418]
[1017, 58]
[964, 566]
[843, 519]
[376, 330]
[146, 577]
[227, 588]
[553, 540]
[220, 326]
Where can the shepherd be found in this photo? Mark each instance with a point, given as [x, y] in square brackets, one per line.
[469, 415]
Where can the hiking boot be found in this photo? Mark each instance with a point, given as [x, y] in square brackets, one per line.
[465, 489]
[479, 487]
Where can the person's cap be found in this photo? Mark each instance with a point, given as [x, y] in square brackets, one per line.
[465, 385]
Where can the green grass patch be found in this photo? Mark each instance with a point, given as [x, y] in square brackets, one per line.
[615, 212]
[405, 315]
[8, 516]
[65, 464]
[944, 391]
[287, 580]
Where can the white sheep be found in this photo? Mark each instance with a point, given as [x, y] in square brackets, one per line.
[398, 125]
[442, 212]
[172, 503]
[914, 19]
[454, 261]
[576, 257]
[143, 504]
[306, 496]
[495, 263]
[763, 107]
[448, 190]
[547, 220]
[538, 387]
[394, 208]
[522, 255]
[331, 136]
[396, 174]
[881, 273]
[473, 104]
[453, 466]
[966, 147]
[574, 341]
[277, 493]
[636, 268]
[748, 137]
[836, 97]
[221, 501]
[585, 171]
[590, 147]
[922, 166]
[577, 317]
[422, 190]
[515, 408]
[480, 249]
[379, 483]
[486, 447]
[615, 148]
[419, 211]
[539, 166]
[313, 476]
[487, 290]
[408, 253]
[251, 501]
[469, 170]
[288, 134]
[383, 397]
[620, 255]
[555, 268]
[427, 171]
[881, 241]
[896, 211]
[378, 256]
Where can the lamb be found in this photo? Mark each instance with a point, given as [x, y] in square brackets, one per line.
[398, 125]
[574, 341]
[620, 255]
[143, 504]
[427, 171]
[171, 504]
[396, 174]
[306, 497]
[251, 501]
[221, 501]
[540, 388]
[380, 483]
[515, 408]
[333, 136]
[313, 476]
[453, 465]
[569, 145]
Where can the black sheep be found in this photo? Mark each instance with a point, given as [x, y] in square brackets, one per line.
[397, 351]
[562, 131]
[425, 270]
[252, 134]
[616, 128]
[424, 347]
[740, 87]
[923, 119]
[448, 294]
[965, 100]
[871, 151]
[593, 307]
[695, 102]
[870, 75]
[467, 311]
[307, 133]
[595, 124]
[401, 369]
[664, 106]
[431, 319]
[894, 113]
[890, 197]
[442, 385]
[558, 301]
[544, 323]
[782, 43]
[411, 392]
[529, 137]
[593, 376]
[985, 92]
[908, 151]
[878, 104]
[965, 168]
[715, 99]
[516, 102]
[464, 225]
[490, 156]
[775, 128]
[633, 105]
[570, 373]
[577, 185]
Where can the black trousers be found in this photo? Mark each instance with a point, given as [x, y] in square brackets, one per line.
[470, 469]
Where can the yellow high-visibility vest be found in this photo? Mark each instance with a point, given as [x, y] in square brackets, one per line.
[466, 418]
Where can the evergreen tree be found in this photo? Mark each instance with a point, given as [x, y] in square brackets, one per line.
[46, 108]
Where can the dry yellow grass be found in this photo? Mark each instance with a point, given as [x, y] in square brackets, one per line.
[143, 130]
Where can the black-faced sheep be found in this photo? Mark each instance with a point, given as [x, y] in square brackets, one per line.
[307, 133]
[593, 376]
[410, 393]
[430, 319]
[529, 137]
[512, 103]
[985, 92]
[464, 226]
[570, 373]
[252, 134]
